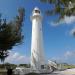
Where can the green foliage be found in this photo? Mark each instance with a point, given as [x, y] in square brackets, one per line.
[25, 65]
[10, 34]
[7, 65]
[69, 66]
[61, 7]
[66, 66]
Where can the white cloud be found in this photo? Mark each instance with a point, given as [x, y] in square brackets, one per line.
[66, 20]
[69, 54]
[72, 32]
[69, 19]
[55, 24]
[17, 58]
[67, 57]
[57, 59]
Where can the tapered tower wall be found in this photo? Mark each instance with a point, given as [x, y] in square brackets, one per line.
[37, 53]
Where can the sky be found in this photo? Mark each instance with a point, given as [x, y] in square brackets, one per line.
[59, 44]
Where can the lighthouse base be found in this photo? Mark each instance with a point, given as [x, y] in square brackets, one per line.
[43, 70]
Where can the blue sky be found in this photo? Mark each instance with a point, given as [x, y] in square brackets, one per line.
[58, 42]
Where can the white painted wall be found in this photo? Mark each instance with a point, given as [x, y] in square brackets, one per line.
[37, 53]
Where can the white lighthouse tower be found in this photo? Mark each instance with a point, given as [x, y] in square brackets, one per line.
[37, 53]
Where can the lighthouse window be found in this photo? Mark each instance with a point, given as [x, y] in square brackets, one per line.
[42, 66]
[37, 11]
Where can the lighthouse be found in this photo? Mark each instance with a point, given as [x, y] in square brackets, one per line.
[37, 51]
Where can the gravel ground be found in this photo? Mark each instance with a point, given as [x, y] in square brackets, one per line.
[69, 72]
[66, 72]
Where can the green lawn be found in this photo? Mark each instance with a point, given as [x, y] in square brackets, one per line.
[69, 66]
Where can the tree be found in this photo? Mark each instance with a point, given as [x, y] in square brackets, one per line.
[25, 65]
[61, 7]
[9, 65]
[10, 34]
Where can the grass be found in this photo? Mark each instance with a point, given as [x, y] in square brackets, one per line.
[69, 66]
[3, 73]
